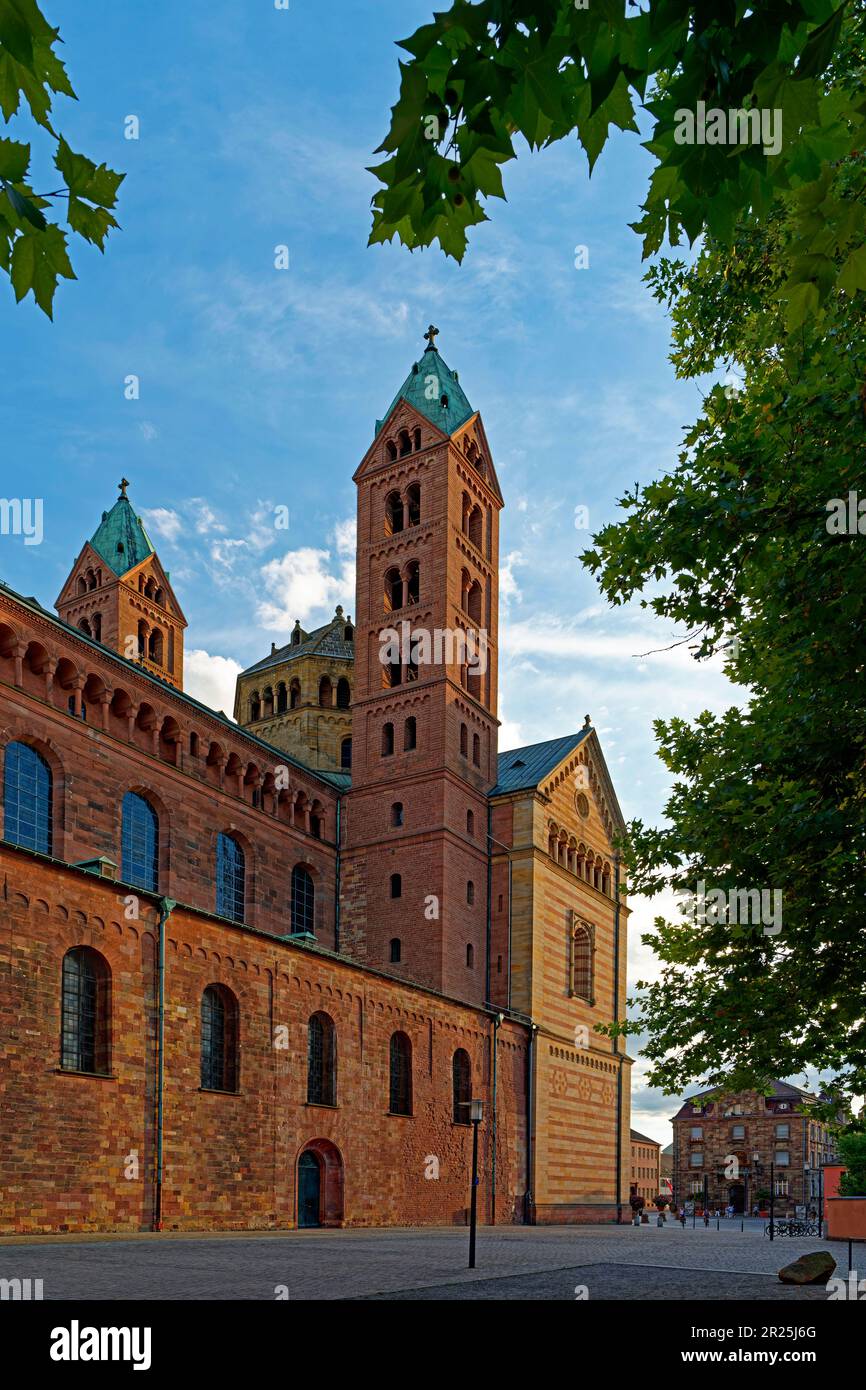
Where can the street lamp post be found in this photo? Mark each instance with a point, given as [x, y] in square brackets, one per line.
[476, 1110]
[772, 1194]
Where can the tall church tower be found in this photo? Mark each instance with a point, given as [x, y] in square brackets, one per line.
[118, 593]
[424, 725]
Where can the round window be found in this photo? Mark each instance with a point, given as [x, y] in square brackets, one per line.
[581, 803]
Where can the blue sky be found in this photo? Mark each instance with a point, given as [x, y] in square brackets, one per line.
[260, 387]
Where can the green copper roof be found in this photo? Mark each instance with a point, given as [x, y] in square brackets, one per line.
[120, 538]
[433, 388]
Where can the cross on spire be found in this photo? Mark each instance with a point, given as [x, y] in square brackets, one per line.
[431, 335]
[123, 485]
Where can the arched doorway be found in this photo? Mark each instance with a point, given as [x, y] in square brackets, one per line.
[736, 1197]
[320, 1184]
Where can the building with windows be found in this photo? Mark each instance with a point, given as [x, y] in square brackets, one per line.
[645, 1168]
[245, 984]
[743, 1146]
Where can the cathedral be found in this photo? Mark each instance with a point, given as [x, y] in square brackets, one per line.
[254, 971]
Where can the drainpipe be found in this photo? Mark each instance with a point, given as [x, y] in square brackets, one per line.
[337, 877]
[615, 1043]
[166, 907]
[527, 1198]
[497, 1022]
[510, 879]
[488, 928]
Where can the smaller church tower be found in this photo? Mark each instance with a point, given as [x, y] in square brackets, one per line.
[118, 593]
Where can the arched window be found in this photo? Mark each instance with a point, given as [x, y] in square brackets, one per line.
[219, 1039]
[410, 734]
[387, 740]
[294, 694]
[413, 504]
[396, 886]
[475, 527]
[464, 740]
[470, 893]
[470, 956]
[155, 646]
[395, 950]
[393, 590]
[344, 693]
[413, 582]
[139, 843]
[476, 750]
[326, 696]
[470, 823]
[231, 878]
[303, 900]
[84, 626]
[27, 798]
[405, 442]
[346, 753]
[255, 706]
[85, 1012]
[282, 698]
[97, 626]
[461, 1073]
[397, 813]
[400, 1102]
[581, 961]
[321, 1060]
[393, 513]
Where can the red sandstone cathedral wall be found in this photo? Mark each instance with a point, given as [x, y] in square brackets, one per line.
[69, 1141]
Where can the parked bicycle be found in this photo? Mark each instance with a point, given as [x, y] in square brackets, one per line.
[791, 1228]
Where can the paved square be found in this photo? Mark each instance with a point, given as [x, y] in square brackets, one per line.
[512, 1263]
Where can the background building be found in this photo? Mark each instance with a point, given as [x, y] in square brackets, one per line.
[645, 1168]
[731, 1140]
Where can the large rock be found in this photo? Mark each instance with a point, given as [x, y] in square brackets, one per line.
[815, 1268]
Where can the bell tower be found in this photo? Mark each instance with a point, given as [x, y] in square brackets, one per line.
[424, 724]
[119, 594]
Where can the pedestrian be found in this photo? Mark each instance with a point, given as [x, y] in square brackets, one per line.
[660, 1219]
[706, 1217]
[683, 1218]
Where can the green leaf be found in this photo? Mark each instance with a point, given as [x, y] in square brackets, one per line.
[96, 183]
[853, 273]
[25, 208]
[14, 160]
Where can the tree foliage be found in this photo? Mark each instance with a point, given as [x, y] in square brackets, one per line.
[33, 249]
[481, 74]
[743, 545]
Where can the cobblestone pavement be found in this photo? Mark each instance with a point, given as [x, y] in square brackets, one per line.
[545, 1262]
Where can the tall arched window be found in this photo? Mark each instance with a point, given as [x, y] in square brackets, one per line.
[294, 694]
[326, 697]
[85, 1012]
[464, 740]
[396, 886]
[476, 750]
[395, 951]
[413, 504]
[282, 698]
[139, 843]
[346, 753]
[581, 961]
[344, 693]
[321, 1060]
[219, 1039]
[400, 1102]
[303, 900]
[231, 878]
[27, 798]
[387, 740]
[461, 1074]
[410, 734]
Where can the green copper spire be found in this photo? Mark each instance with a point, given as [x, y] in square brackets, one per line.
[433, 389]
[120, 538]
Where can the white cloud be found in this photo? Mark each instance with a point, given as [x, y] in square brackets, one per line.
[163, 522]
[211, 679]
[301, 582]
[508, 586]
